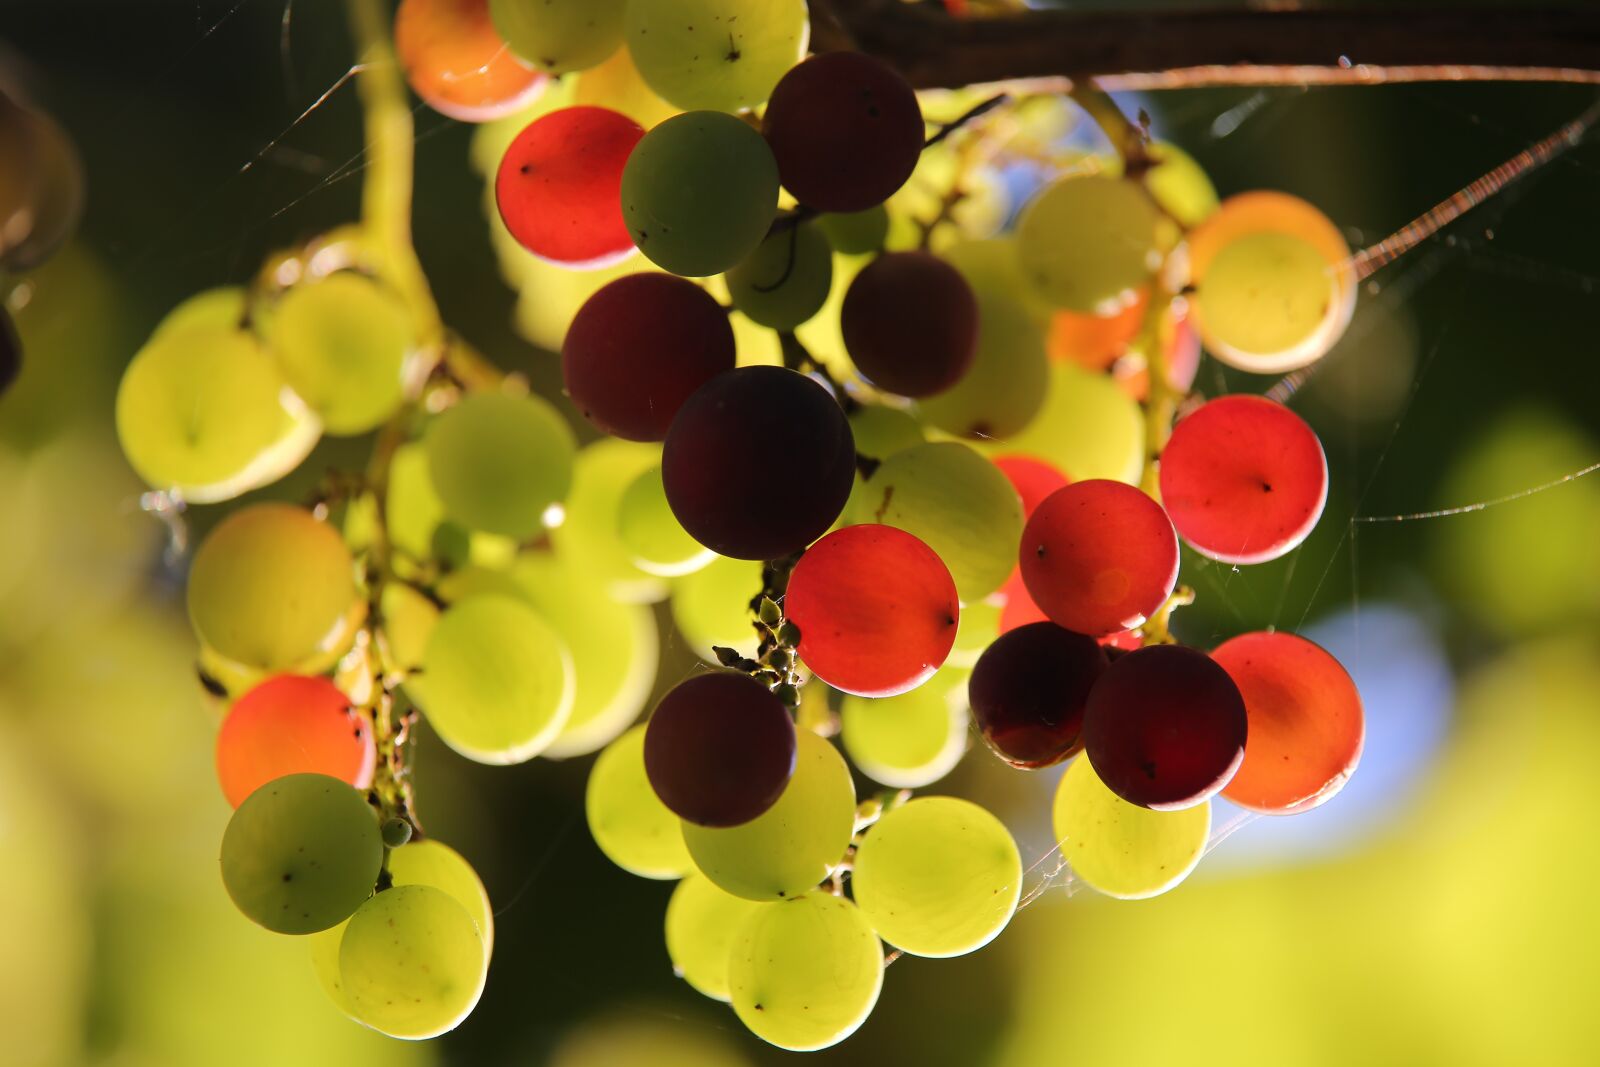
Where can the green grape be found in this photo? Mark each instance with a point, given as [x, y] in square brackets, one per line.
[549, 294]
[911, 740]
[881, 431]
[496, 680]
[655, 540]
[711, 607]
[719, 54]
[587, 537]
[1179, 184]
[626, 818]
[616, 84]
[499, 462]
[204, 413]
[786, 280]
[938, 876]
[699, 192]
[271, 587]
[976, 630]
[412, 963]
[794, 844]
[701, 923]
[1087, 243]
[556, 36]
[1005, 387]
[805, 973]
[1089, 428]
[1264, 293]
[222, 308]
[1119, 848]
[301, 853]
[411, 507]
[341, 343]
[958, 503]
[854, 233]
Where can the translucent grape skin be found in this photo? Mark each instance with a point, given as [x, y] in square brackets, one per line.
[646, 525]
[557, 36]
[499, 461]
[785, 281]
[1088, 243]
[856, 233]
[301, 853]
[719, 478]
[720, 54]
[719, 749]
[1033, 479]
[876, 607]
[1165, 727]
[412, 963]
[456, 61]
[559, 185]
[1119, 848]
[846, 130]
[1029, 691]
[1244, 479]
[911, 740]
[1099, 556]
[627, 819]
[1306, 723]
[639, 348]
[910, 324]
[292, 724]
[701, 923]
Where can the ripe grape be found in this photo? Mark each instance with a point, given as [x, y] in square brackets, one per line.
[1164, 727]
[646, 525]
[639, 348]
[1306, 723]
[557, 36]
[846, 130]
[1088, 426]
[627, 819]
[881, 431]
[699, 193]
[786, 280]
[1033, 479]
[720, 54]
[271, 587]
[719, 749]
[1088, 243]
[721, 450]
[711, 607]
[292, 724]
[910, 740]
[854, 233]
[458, 64]
[301, 853]
[587, 536]
[1029, 690]
[1095, 342]
[412, 963]
[10, 352]
[1121, 849]
[1243, 479]
[937, 876]
[224, 307]
[876, 608]
[794, 844]
[1099, 556]
[910, 324]
[979, 626]
[701, 923]
[498, 462]
[1179, 184]
[805, 973]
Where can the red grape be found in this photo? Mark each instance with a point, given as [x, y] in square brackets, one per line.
[1244, 479]
[292, 724]
[456, 61]
[1033, 479]
[910, 323]
[845, 129]
[758, 463]
[1099, 556]
[1164, 727]
[559, 187]
[876, 608]
[1029, 689]
[639, 348]
[1306, 723]
[719, 749]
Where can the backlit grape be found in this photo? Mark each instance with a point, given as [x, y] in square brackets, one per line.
[854, 233]
[292, 724]
[557, 36]
[910, 323]
[910, 740]
[1119, 848]
[720, 54]
[1088, 243]
[702, 921]
[499, 461]
[1029, 691]
[1088, 427]
[646, 525]
[627, 820]
[412, 963]
[711, 607]
[588, 535]
[458, 64]
[785, 281]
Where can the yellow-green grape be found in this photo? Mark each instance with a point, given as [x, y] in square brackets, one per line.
[911, 740]
[587, 537]
[1087, 243]
[1005, 387]
[786, 279]
[341, 343]
[301, 853]
[720, 54]
[616, 84]
[1264, 293]
[222, 308]
[1089, 427]
[272, 587]
[1179, 185]
[881, 431]
[1119, 848]
[976, 630]
[626, 818]
[412, 509]
[805, 973]
[412, 963]
[794, 844]
[957, 502]
[408, 619]
[656, 541]
[204, 413]
[853, 233]
[557, 36]
[496, 680]
[499, 462]
[711, 607]
[938, 876]
[549, 295]
[233, 676]
[701, 923]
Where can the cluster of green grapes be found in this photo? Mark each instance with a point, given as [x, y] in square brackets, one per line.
[884, 459]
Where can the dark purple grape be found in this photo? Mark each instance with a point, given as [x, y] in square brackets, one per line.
[1028, 692]
[10, 351]
[758, 463]
[719, 749]
[910, 324]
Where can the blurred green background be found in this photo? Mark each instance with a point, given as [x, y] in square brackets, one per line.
[1438, 912]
